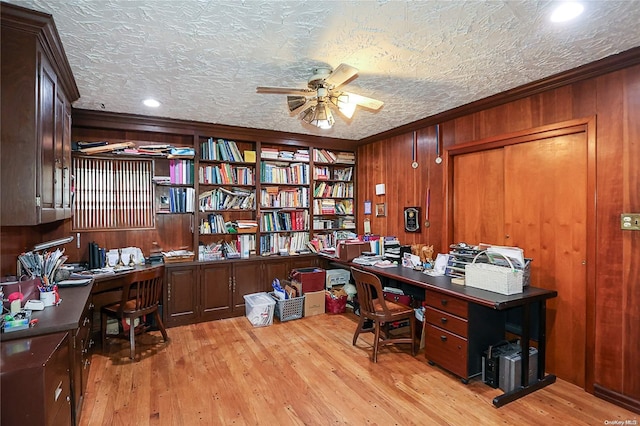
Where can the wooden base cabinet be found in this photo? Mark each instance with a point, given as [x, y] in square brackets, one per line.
[457, 333]
[43, 363]
[216, 290]
[82, 345]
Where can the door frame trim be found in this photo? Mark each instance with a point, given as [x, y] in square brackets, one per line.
[586, 125]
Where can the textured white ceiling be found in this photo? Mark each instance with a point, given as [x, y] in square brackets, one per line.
[203, 59]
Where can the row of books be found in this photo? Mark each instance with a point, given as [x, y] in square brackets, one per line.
[296, 173]
[325, 173]
[347, 222]
[181, 171]
[214, 224]
[277, 154]
[225, 150]
[331, 206]
[295, 220]
[225, 173]
[295, 242]
[338, 190]
[181, 200]
[274, 197]
[327, 156]
[225, 199]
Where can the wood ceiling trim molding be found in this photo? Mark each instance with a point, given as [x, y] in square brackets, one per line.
[606, 65]
[83, 118]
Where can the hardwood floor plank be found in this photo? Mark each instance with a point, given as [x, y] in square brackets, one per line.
[303, 372]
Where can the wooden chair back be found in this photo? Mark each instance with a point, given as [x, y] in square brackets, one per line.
[142, 294]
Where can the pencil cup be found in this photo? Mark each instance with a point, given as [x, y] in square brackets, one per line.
[48, 297]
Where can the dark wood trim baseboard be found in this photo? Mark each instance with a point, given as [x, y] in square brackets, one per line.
[617, 398]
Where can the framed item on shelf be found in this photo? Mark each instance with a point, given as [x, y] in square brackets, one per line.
[381, 209]
[367, 207]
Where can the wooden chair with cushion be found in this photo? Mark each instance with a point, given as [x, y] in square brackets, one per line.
[374, 307]
[140, 296]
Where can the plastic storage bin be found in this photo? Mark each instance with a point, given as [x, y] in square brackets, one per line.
[259, 309]
[289, 309]
[337, 277]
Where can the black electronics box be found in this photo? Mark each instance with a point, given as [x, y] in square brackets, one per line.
[491, 361]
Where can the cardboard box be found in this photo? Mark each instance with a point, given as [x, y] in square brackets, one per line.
[314, 303]
[348, 251]
[312, 279]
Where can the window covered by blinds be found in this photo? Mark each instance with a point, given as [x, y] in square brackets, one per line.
[113, 193]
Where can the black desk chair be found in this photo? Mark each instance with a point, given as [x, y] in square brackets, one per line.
[140, 296]
[374, 307]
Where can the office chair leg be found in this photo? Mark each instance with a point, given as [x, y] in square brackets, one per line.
[132, 339]
[161, 326]
[376, 341]
[412, 329]
[359, 329]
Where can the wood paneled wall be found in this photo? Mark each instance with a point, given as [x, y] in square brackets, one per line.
[613, 311]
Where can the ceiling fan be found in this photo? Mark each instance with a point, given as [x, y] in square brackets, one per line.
[324, 92]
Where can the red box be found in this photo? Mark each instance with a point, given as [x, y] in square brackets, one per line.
[312, 279]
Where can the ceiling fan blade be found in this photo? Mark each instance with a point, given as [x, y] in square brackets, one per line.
[285, 91]
[363, 101]
[340, 75]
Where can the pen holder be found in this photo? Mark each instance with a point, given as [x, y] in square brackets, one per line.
[48, 298]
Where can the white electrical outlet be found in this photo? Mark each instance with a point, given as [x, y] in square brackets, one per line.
[630, 221]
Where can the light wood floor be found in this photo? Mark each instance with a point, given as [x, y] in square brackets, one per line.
[304, 372]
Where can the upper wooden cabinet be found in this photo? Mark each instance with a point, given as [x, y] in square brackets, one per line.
[37, 91]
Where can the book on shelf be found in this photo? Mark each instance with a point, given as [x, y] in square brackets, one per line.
[249, 156]
[107, 148]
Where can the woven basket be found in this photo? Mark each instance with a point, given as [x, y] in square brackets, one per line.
[498, 279]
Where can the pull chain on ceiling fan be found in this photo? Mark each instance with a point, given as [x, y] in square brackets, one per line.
[314, 104]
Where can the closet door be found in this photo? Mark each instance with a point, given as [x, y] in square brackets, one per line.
[478, 197]
[546, 215]
[533, 195]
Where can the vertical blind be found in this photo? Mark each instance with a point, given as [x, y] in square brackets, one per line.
[112, 193]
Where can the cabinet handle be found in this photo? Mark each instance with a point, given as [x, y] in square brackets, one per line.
[57, 392]
[443, 320]
[444, 302]
[91, 306]
[86, 321]
[443, 338]
[91, 343]
[230, 281]
[234, 285]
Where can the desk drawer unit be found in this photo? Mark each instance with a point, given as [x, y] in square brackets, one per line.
[43, 363]
[457, 332]
[446, 349]
[446, 321]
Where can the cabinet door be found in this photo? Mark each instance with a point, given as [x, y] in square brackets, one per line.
[216, 284]
[45, 185]
[275, 269]
[67, 210]
[180, 305]
[247, 279]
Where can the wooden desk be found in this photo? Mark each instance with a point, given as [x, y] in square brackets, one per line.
[532, 301]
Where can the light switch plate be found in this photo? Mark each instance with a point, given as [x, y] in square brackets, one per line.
[630, 221]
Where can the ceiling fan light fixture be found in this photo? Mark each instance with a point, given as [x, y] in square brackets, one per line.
[343, 104]
[319, 116]
[295, 102]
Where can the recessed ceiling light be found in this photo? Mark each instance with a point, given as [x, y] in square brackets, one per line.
[151, 103]
[566, 11]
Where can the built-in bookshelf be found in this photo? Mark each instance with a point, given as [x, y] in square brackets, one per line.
[333, 196]
[227, 223]
[284, 199]
[174, 182]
